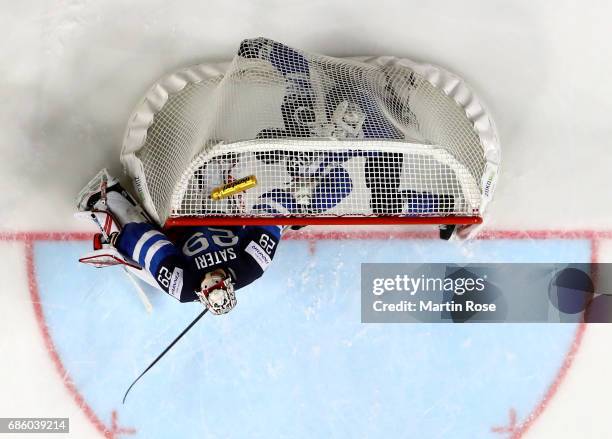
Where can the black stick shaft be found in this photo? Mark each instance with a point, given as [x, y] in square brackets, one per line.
[159, 357]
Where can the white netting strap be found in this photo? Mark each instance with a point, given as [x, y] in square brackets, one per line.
[156, 97]
[143, 117]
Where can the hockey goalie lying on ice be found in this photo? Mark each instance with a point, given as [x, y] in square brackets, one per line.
[192, 263]
[189, 263]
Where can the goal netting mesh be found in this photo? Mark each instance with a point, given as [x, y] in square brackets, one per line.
[322, 137]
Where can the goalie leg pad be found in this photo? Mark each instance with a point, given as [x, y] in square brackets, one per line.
[104, 192]
[104, 220]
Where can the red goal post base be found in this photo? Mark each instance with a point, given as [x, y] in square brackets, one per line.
[319, 221]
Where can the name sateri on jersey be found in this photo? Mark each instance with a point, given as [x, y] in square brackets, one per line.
[214, 258]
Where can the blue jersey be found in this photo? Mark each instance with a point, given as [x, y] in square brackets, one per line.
[179, 260]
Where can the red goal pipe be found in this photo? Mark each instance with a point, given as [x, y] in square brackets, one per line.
[319, 221]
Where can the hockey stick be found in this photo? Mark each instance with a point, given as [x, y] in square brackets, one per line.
[159, 357]
[141, 294]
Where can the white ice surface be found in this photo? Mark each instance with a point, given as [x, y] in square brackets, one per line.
[71, 72]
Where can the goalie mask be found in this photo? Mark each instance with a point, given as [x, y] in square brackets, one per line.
[217, 292]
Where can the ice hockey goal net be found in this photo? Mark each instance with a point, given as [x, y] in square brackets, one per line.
[327, 140]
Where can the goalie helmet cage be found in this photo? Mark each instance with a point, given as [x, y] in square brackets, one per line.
[366, 140]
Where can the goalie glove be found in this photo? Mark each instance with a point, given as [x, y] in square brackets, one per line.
[105, 254]
[217, 293]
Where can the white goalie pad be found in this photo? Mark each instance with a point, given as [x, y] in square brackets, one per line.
[323, 136]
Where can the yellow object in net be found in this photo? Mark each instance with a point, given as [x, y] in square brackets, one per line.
[234, 187]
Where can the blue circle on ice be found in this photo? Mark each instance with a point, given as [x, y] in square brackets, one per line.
[293, 359]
